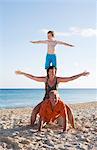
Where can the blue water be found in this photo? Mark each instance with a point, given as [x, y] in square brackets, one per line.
[12, 98]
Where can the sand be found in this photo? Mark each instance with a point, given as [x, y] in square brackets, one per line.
[16, 134]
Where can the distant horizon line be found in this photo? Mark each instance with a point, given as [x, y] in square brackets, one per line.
[42, 88]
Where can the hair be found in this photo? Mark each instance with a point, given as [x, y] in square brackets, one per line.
[54, 92]
[51, 32]
[51, 67]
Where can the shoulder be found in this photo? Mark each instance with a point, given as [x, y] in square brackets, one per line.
[57, 41]
[45, 102]
[61, 102]
[58, 79]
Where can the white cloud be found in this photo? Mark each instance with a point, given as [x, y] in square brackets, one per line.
[62, 33]
[87, 32]
[83, 32]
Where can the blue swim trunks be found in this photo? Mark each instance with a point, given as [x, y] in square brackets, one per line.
[50, 59]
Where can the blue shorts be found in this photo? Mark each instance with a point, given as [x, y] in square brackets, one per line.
[50, 58]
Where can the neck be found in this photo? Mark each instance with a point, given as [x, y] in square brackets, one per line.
[51, 39]
[51, 78]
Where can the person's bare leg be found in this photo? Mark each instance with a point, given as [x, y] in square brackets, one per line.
[62, 122]
[35, 111]
[70, 115]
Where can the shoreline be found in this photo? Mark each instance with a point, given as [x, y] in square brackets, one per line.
[29, 107]
[16, 134]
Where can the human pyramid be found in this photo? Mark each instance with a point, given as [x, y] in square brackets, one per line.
[52, 108]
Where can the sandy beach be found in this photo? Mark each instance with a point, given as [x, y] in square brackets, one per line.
[16, 134]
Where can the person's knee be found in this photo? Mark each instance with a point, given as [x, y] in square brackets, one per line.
[60, 121]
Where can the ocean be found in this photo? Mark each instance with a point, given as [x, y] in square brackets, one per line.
[14, 98]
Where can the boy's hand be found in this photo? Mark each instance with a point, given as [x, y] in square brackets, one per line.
[18, 72]
[85, 73]
[71, 45]
[33, 42]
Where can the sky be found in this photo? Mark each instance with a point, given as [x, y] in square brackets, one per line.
[73, 21]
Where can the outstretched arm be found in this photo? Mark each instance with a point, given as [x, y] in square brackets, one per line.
[63, 43]
[66, 79]
[39, 42]
[39, 79]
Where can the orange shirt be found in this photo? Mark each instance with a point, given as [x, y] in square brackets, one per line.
[48, 114]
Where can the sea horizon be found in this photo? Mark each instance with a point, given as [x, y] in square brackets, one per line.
[44, 89]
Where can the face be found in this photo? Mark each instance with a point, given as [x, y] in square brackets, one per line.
[49, 35]
[52, 73]
[53, 99]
